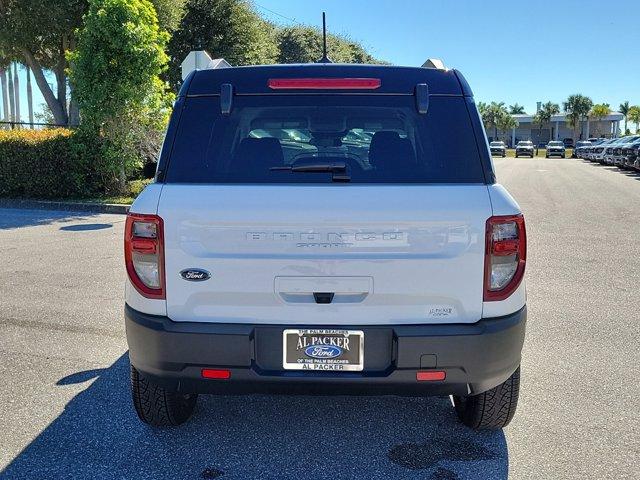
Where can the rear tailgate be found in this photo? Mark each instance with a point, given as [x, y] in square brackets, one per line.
[389, 254]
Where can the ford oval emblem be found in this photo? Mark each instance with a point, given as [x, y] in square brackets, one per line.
[323, 351]
[195, 274]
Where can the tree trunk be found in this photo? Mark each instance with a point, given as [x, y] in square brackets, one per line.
[5, 94]
[16, 90]
[74, 112]
[54, 104]
[30, 98]
[122, 177]
[12, 98]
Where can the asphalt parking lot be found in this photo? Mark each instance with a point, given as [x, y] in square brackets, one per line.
[65, 408]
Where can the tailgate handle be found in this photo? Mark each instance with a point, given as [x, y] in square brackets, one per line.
[323, 297]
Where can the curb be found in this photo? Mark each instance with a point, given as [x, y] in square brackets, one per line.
[64, 206]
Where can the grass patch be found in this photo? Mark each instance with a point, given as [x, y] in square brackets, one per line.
[134, 187]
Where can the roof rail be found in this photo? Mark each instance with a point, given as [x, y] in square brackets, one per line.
[434, 63]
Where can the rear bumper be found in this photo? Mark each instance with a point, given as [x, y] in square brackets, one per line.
[475, 357]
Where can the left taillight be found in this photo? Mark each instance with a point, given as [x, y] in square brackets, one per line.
[505, 256]
[144, 254]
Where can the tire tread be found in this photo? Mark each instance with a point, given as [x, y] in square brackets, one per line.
[493, 409]
[156, 405]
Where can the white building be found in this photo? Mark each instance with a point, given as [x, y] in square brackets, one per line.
[559, 129]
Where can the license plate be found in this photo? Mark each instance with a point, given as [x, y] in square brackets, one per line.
[323, 349]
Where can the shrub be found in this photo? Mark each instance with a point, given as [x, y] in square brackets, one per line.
[115, 72]
[56, 163]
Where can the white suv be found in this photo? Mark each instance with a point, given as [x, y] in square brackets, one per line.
[325, 229]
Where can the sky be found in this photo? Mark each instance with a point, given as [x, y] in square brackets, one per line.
[510, 51]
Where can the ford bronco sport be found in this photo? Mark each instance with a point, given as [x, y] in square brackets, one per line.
[325, 229]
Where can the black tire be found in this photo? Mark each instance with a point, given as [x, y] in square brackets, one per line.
[157, 406]
[492, 409]
[516, 155]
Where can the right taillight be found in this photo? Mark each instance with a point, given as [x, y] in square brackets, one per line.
[144, 254]
[505, 256]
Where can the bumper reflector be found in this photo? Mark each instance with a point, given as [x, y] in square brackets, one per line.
[430, 376]
[216, 374]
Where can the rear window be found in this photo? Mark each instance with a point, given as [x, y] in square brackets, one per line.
[318, 138]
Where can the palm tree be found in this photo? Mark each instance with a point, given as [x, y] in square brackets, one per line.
[12, 96]
[506, 122]
[516, 109]
[16, 92]
[624, 110]
[577, 107]
[29, 98]
[634, 116]
[598, 112]
[4, 92]
[543, 117]
[482, 109]
[4, 87]
[492, 113]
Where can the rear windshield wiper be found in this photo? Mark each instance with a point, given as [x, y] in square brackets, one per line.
[338, 169]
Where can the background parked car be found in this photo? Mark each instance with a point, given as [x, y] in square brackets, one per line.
[629, 154]
[567, 142]
[621, 150]
[525, 148]
[498, 148]
[597, 153]
[612, 153]
[579, 148]
[555, 148]
[633, 159]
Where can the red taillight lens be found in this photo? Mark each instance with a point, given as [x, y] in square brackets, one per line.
[144, 254]
[431, 375]
[505, 256]
[215, 374]
[324, 83]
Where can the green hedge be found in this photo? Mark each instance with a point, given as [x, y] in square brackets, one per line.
[56, 163]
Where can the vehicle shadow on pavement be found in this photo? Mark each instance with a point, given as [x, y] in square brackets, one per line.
[18, 218]
[98, 436]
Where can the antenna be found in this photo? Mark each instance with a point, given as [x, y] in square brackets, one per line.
[325, 58]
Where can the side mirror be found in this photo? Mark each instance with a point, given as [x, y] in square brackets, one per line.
[149, 170]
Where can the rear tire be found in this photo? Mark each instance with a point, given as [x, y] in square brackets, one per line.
[492, 409]
[157, 406]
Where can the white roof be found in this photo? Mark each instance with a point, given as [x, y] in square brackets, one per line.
[562, 117]
[201, 60]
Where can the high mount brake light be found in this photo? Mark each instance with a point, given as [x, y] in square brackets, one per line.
[144, 254]
[324, 83]
[505, 256]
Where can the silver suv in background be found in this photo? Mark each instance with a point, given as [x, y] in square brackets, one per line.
[580, 148]
[498, 148]
[525, 148]
[555, 148]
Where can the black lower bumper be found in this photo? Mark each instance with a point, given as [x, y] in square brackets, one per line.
[475, 357]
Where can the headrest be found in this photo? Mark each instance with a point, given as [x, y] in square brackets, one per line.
[389, 152]
[257, 155]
